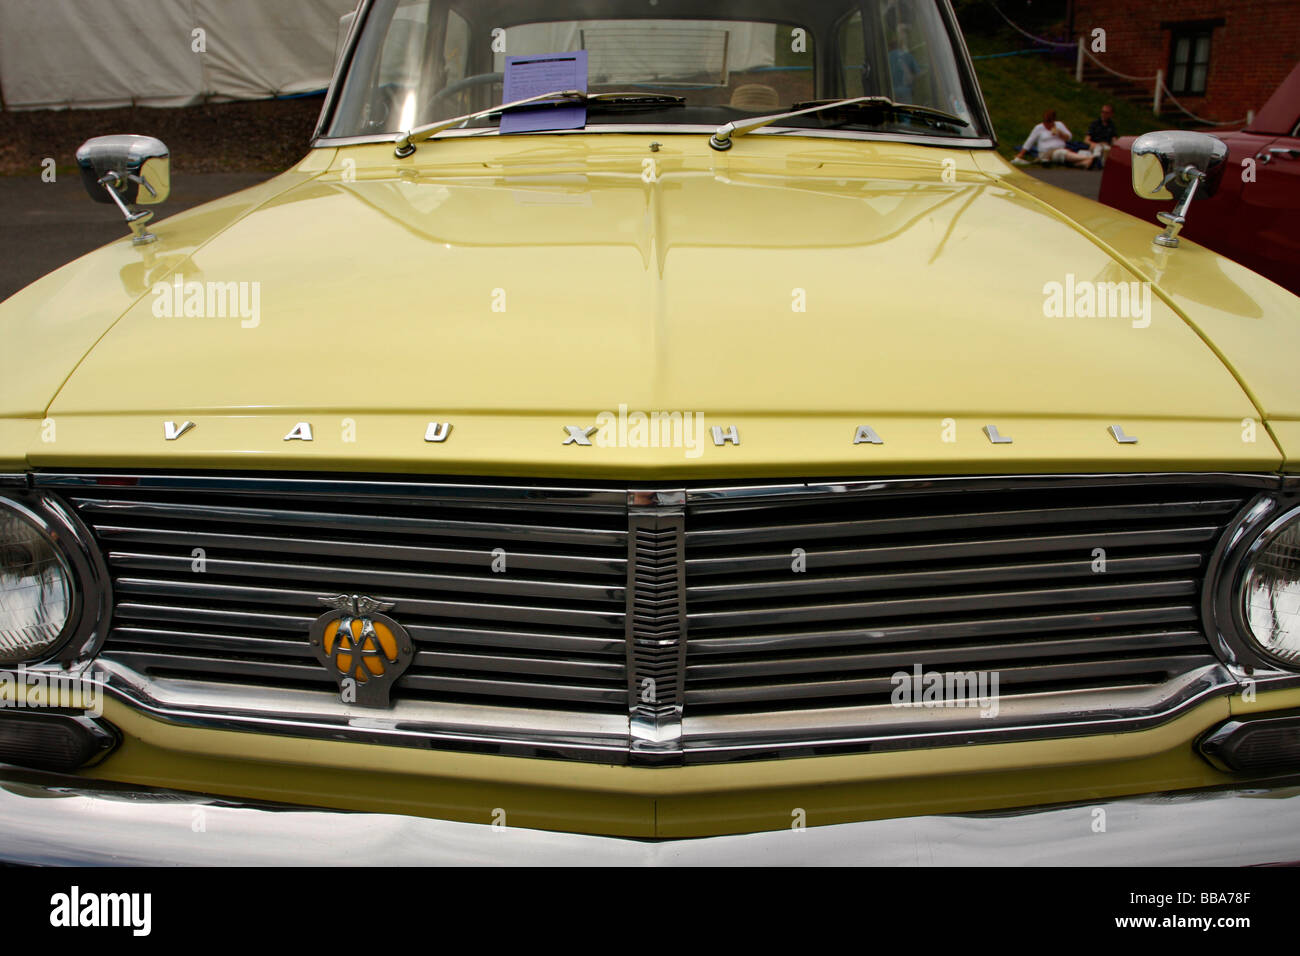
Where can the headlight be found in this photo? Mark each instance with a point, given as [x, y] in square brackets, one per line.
[1271, 590]
[35, 587]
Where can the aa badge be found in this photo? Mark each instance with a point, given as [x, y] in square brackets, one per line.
[365, 651]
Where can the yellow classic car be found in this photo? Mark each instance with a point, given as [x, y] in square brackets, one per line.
[653, 429]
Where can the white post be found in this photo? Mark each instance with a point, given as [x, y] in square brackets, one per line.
[1160, 89]
[1250, 117]
[1078, 64]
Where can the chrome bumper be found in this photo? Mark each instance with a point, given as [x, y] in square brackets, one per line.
[47, 820]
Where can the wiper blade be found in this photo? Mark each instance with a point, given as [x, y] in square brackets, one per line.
[885, 103]
[724, 135]
[405, 143]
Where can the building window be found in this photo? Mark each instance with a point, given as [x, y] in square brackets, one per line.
[1189, 60]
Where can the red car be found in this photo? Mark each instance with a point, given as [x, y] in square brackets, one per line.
[1254, 217]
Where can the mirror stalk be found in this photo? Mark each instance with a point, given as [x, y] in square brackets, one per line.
[1177, 217]
[138, 221]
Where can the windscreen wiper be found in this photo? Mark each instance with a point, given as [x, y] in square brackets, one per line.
[405, 143]
[728, 132]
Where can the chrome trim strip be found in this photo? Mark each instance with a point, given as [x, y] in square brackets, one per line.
[655, 628]
[461, 493]
[606, 497]
[685, 129]
[341, 68]
[605, 738]
[787, 686]
[51, 820]
[1033, 652]
[966, 69]
[741, 495]
[748, 736]
[321, 715]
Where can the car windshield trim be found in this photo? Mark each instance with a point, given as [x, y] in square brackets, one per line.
[691, 130]
[956, 91]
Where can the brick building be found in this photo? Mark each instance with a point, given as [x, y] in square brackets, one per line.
[1221, 58]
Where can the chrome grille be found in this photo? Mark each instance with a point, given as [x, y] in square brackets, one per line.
[995, 580]
[225, 586]
[769, 620]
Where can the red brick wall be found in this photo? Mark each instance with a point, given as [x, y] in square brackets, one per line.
[1255, 49]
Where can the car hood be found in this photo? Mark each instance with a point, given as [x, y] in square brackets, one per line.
[794, 290]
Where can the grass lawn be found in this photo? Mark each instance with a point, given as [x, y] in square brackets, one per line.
[1019, 88]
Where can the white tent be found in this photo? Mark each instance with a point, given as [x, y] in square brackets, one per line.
[107, 53]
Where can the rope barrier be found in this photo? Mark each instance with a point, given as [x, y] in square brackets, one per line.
[1015, 27]
[1168, 94]
[994, 56]
[1199, 119]
[1164, 88]
[1125, 76]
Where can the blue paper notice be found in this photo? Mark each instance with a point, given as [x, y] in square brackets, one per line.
[534, 75]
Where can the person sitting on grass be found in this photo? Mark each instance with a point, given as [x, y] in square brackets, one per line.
[1101, 134]
[1049, 141]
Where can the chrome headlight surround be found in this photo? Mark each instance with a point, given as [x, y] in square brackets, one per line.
[90, 588]
[1224, 597]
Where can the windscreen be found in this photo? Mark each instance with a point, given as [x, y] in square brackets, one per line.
[422, 61]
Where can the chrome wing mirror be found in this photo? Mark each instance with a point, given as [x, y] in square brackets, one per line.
[127, 170]
[1178, 165]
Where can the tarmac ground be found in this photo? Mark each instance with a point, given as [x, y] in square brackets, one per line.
[49, 224]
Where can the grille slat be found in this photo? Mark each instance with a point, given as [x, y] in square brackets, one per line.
[987, 653]
[990, 629]
[372, 550]
[948, 604]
